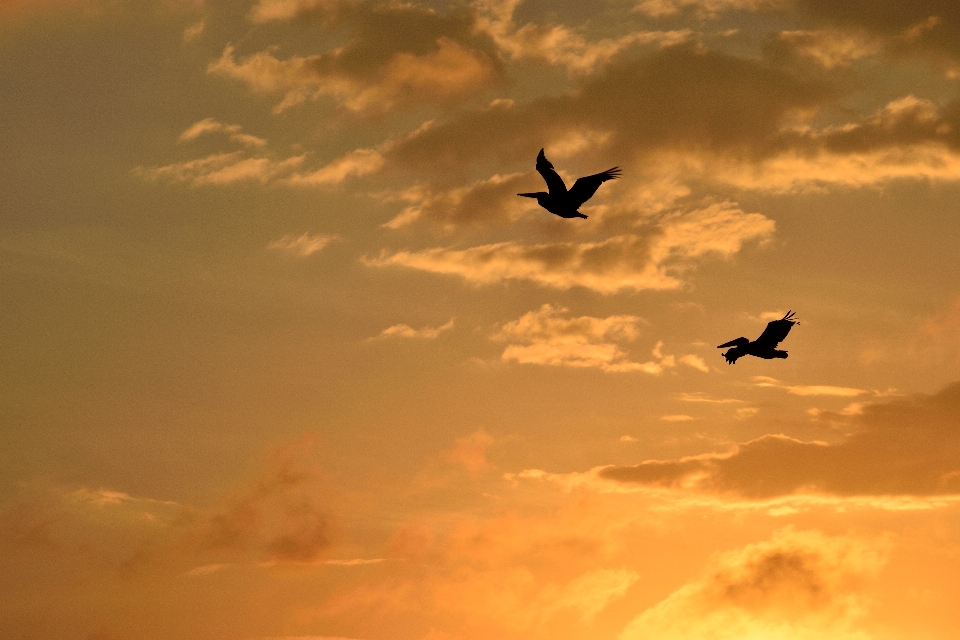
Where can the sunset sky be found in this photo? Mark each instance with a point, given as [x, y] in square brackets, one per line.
[284, 357]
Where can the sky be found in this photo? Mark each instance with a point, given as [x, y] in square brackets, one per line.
[284, 356]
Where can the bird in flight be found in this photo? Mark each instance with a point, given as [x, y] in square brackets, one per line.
[560, 201]
[766, 345]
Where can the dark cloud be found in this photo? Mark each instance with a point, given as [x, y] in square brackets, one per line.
[908, 25]
[395, 55]
[905, 447]
[901, 123]
[279, 518]
[677, 97]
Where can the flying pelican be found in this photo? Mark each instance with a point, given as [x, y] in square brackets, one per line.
[766, 345]
[560, 201]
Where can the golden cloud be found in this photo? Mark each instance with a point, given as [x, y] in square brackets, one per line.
[279, 10]
[303, 245]
[830, 48]
[210, 125]
[656, 260]
[799, 585]
[493, 200]
[222, 169]
[904, 447]
[557, 44]
[433, 58]
[661, 8]
[582, 342]
[807, 390]
[406, 331]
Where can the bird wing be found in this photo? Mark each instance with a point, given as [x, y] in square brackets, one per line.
[584, 188]
[739, 342]
[776, 331]
[554, 182]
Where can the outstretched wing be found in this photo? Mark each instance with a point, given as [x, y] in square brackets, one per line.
[554, 182]
[776, 331]
[584, 188]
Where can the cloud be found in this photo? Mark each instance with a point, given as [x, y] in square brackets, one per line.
[908, 27]
[904, 447]
[907, 139]
[279, 10]
[583, 342]
[656, 260]
[277, 519]
[508, 575]
[194, 31]
[807, 390]
[105, 526]
[210, 125]
[557, 44]
[358, 162]
[708, 8]
[222, 169]
[699, 104]
[677, 418]
[694, 361]
[406, 331]
[830, 48]
[489, 201]
[471, 452]
[937, 339]
[702, 397]
[399, 55]
[303, 245]
[799, 585]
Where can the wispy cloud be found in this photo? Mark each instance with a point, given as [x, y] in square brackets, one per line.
[702, 397]
[694, 361]
[908, 446]
[548, 338]
[493, 200]
[807, 390]
[557, 44]
[359, 162]
[222, 169]
[406, 331]
[656, 260]
[828, 48]
[662, 8]
[304, 245]
[210, 125]
[280, 10]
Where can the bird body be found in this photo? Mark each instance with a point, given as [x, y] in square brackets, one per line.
[560, 201]
[766, 345]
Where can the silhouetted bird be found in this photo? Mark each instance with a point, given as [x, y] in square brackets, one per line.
[766, 345]
[560, 201]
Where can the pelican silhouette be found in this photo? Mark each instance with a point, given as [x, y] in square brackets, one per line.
[766, 345]
[560, 201]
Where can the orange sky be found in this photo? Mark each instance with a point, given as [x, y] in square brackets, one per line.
[285, 357]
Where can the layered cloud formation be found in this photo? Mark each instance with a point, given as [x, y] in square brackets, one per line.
[903, 447]
[795, 586]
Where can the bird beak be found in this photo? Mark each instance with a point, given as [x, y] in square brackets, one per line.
[528, 195]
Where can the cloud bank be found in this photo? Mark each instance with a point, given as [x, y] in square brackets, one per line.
[904, 447]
